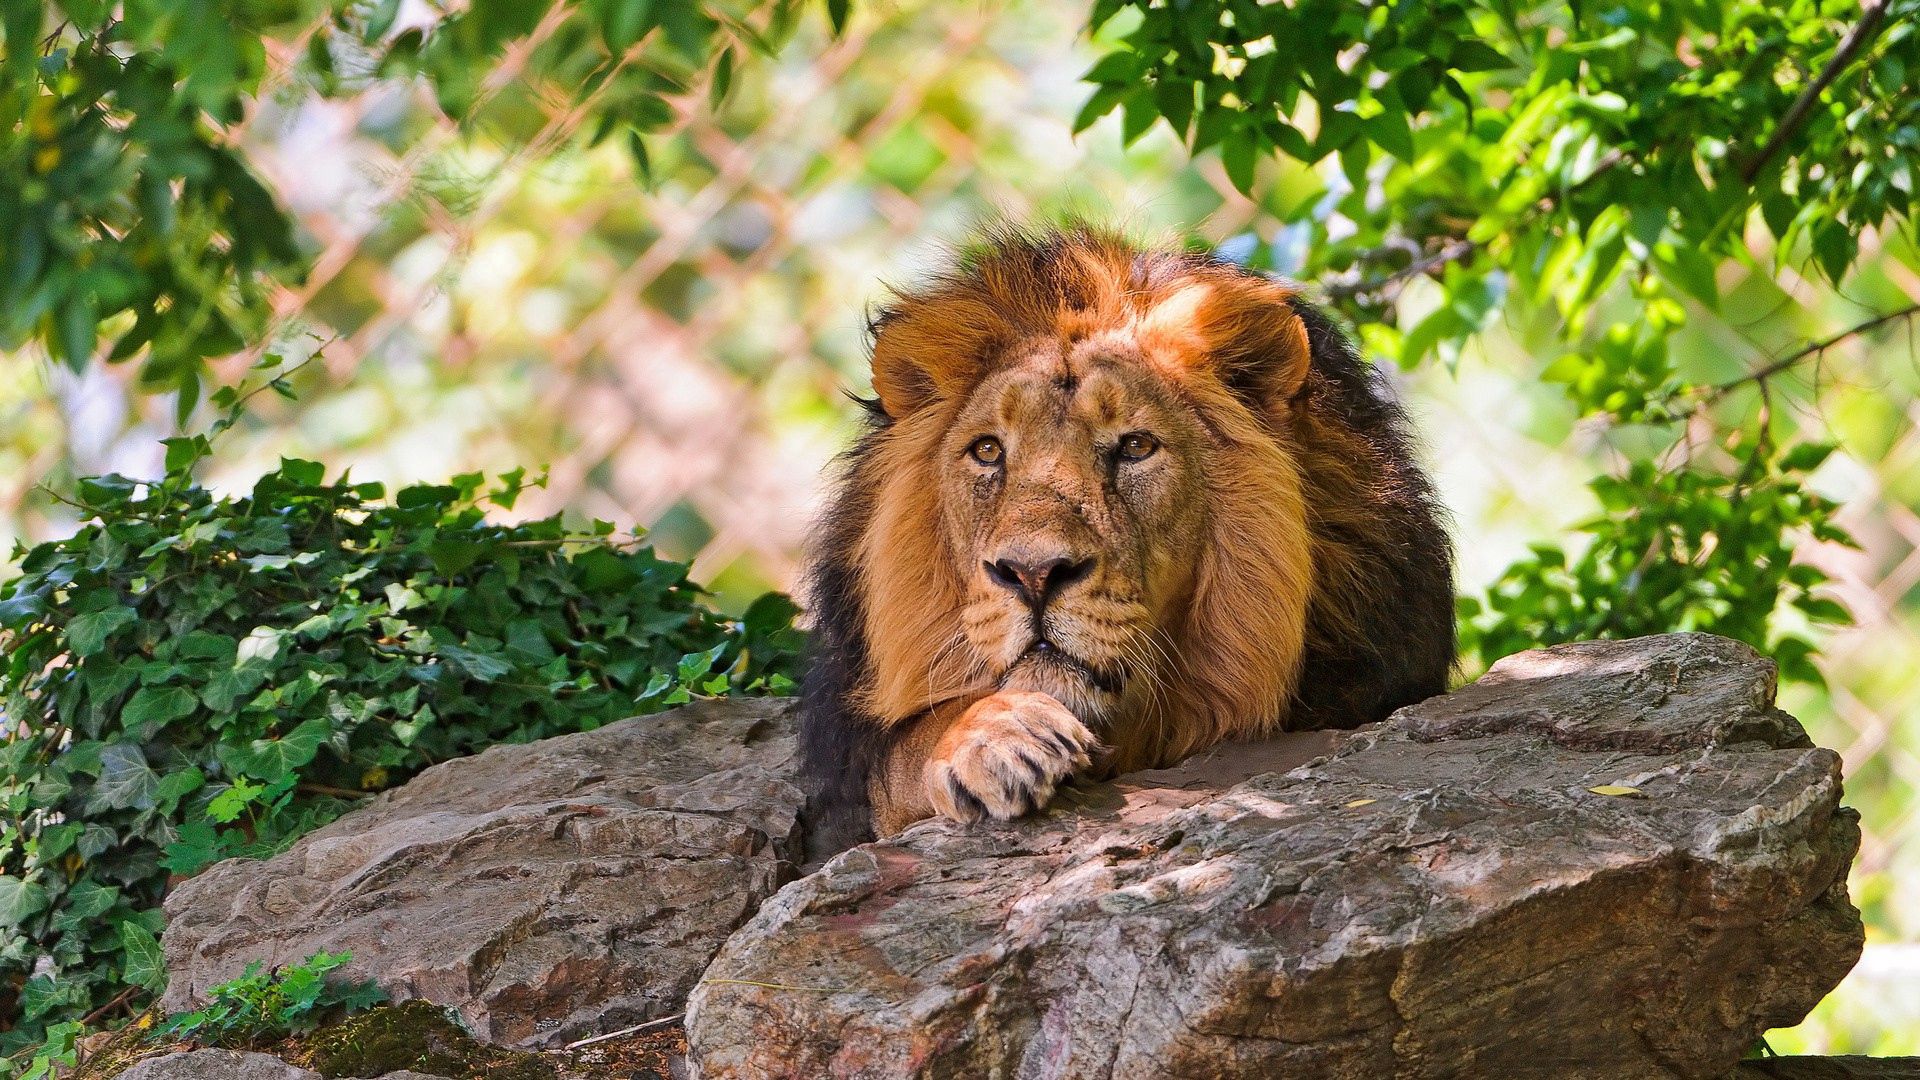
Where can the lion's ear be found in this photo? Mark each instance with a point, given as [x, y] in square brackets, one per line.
[1244, 332]
[928, 349]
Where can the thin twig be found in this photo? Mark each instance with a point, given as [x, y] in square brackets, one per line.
[558, 541]
[1762, 374]
[634, 1030]
[1387, 287]
[233, 410]
[1872, 16]
[1452, 251]
[335, 792]
[121, 999]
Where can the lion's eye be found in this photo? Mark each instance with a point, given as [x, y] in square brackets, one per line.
[986, 450]
[1137, 446]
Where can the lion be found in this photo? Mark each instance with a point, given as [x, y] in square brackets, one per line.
[1113, 506]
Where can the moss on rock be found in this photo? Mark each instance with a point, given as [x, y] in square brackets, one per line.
[417, 1035]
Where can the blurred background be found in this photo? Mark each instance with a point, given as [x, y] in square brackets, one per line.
[678, 353]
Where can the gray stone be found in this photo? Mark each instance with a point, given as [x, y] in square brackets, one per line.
[1440, 895]
[546, 891]
[233, 1065]
[215, 1065]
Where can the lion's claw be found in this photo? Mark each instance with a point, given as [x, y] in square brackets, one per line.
[1005, 756]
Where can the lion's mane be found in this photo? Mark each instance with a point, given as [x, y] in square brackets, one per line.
[1378, 627]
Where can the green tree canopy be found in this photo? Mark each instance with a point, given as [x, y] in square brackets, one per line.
[1590, 168]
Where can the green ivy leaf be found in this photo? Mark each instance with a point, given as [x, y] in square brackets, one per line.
[20, 900]
[87, 899]
[87, 634]
[143, 964]
[270, 759]
[154, 707]
[126, 780]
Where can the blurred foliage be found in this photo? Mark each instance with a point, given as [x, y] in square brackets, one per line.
[191, 677]
[120, 202]
[1497, 183]
[1603, 159]
[126, 212]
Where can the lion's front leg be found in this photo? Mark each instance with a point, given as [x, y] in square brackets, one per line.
[999, 757]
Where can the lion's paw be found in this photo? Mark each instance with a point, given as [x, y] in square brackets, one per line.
[1005, 755]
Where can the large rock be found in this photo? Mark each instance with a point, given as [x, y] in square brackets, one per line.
[215, 1065]
[546, 891]
[233, 1065]
[1445, 894]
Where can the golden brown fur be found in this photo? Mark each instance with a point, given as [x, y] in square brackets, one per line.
[1014, 583]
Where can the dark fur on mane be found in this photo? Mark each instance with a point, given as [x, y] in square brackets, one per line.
[1389, 644]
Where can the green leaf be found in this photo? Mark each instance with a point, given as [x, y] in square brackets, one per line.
[1472, 54]
[1118, 67]
[1821, 609]
[87, 899]
[1175, 100]
[183, 452]
[625, 21]
[87, 634]
[199, 847]
[271, 759]
[722, 79]
[359, 997]
[175, 786]
[142, 965]
[1806, 457]
[1237, 154]
[302, 473]
[19, 900]
[260, 646]
[1100, 104]
[154, 707]
[1137, 115]
[126, 781]
[1390, 132]
[227, 806]
[642, 164]
[451, 553]
[1833, 248]
[474, 665]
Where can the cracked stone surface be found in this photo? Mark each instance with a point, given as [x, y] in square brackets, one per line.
[546, 891]
[233, 1065]
[215, 1065]
[1439, 895]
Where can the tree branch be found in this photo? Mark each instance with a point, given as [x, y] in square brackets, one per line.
[333, 792]
[1386, 286]
[100, 1013]
[1762, 374]
[1873, 15]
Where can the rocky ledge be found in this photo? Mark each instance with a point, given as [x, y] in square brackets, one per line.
[546, 892]
[1605, 859]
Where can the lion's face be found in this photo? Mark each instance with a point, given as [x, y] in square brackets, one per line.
[1073, 504]
[1083, 488]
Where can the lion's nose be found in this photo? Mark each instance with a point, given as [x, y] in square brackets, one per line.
[1038, 579]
